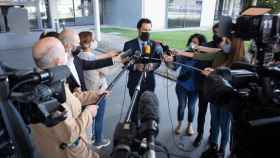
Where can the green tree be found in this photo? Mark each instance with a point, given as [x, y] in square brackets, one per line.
[274, 4]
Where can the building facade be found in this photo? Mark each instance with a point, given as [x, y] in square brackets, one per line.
[125, 13]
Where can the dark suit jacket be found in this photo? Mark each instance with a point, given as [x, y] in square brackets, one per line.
[134, 75]
[82, 65]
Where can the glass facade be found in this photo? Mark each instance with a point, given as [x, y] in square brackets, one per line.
[36, 12]
[75, 12]
[184, 13]
[228, 8]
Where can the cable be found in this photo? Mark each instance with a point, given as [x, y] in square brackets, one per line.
[177, 63]
[124, 97]
[170, 117]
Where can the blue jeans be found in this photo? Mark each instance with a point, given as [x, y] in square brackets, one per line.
[97, 128]
[220, 119]
[185, 97]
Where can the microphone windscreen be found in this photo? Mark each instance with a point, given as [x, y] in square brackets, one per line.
[137, 53]
[127, 53]
[149, 106]
[147, 49]
[225, 26]
[158, 49]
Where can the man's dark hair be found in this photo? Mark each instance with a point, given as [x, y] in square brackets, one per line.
[49, 34]
[201, 39]
[142, 21]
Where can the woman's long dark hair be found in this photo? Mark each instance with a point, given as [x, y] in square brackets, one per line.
[201, 39]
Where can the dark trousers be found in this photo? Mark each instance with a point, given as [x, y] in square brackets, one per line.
[220, 119]
[203, 105]
[185, 98]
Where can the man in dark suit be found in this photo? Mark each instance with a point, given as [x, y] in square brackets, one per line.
[148, 48]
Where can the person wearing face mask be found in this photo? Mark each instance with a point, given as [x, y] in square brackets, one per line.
[149, 48]
[220, 118]
[186, 88]
[71, 42]
[212, 54]
[95, 80]
[67, 139]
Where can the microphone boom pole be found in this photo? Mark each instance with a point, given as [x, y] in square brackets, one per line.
[111, 85]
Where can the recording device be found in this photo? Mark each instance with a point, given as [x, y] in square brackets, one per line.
[255, 24]
[251, 92]
[29, 96]
[131, 140]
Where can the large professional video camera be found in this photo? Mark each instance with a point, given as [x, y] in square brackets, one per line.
[28, 96]
[251, 92]
[131, 140]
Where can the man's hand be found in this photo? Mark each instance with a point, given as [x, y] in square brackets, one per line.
[101, 91]
[120, 59]
[113, 53]
[168, 58]
[207, 71]
[117, 59]
[93, 109]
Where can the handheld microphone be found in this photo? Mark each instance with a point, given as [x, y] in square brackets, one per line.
[147, 49]
[158, 49]
[127, 53]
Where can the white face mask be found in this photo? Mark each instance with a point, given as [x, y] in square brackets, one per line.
[193, 46]
[65, 58]
[93, 44]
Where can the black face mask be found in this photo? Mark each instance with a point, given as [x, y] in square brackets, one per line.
[144, 36]
[76, 51]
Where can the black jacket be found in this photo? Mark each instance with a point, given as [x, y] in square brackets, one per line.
[134, 75]
[82, 65]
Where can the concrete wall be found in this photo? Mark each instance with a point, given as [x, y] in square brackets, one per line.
[125, 13]
[156, 11]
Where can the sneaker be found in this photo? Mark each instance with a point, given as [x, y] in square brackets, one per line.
[104, 143]
[189, 130]
[178, 130]
[197, 140]
[92, 140]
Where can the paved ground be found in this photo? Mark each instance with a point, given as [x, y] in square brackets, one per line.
[22, 59]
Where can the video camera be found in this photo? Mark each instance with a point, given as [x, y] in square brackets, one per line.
[132, 140]
[28, 97]
[251, 92]
[255, 24]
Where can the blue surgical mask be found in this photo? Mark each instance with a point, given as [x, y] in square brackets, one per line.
[226, 48]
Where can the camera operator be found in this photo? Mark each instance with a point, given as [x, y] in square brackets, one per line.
[68, 139]
[144, 44]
